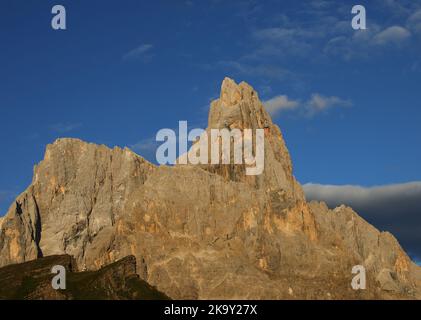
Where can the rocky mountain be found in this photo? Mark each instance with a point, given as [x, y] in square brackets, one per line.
[203, 232]
[32, 280]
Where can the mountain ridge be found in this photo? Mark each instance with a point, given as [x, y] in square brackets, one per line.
[203, 232]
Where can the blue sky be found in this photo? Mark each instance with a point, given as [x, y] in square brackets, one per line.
[348, 102]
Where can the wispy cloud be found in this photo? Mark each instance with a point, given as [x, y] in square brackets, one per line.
[284, 41]
[414, 22]
[284, 34]
[366, 43]
[320, 31]
[145, 145]
[317, 103]
[396, 8]
[65, 127]
[326, 32]
[391, 35]
[141, 52]
[395, 207]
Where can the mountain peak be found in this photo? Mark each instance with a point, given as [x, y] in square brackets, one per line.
[239, 107]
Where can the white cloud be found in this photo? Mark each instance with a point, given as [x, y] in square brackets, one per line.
[280, 103]
[319, 103]
[366, 43]
[391, 35]
[141, 51]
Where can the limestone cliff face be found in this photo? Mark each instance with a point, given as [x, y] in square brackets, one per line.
[206, 231]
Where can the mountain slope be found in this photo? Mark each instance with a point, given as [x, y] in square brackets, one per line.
[207, 231]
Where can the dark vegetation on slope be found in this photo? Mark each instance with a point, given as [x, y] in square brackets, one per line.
[32, 280]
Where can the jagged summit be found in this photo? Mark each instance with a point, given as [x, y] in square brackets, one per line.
[239, 107]
[202, 232]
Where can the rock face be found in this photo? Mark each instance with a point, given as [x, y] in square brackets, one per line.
[203, 232]
[117, 281]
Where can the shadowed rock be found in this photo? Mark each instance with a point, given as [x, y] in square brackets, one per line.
[32, 280]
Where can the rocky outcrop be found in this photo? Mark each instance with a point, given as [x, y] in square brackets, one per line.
[20, 231]
[33, 280]
[203, 232]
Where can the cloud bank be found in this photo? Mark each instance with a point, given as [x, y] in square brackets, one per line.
[395, 208]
